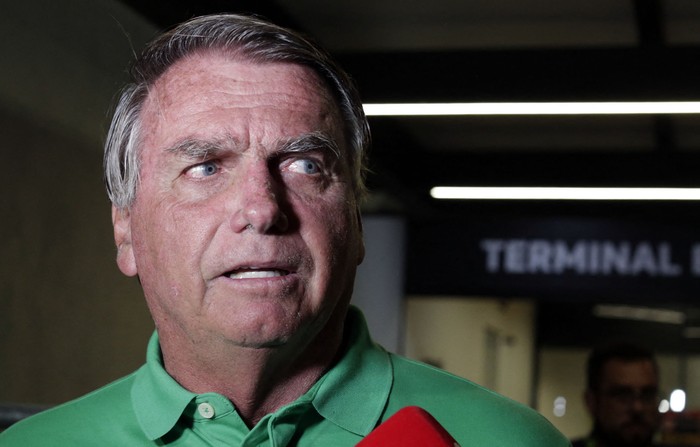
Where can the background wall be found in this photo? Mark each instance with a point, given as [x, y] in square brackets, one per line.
[488, 341]
[379, 283]
[69, 321]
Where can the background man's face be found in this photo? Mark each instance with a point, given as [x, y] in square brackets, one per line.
[245, 225]
[625, 407]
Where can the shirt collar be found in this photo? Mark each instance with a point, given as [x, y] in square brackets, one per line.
[158, 399]
[361, 379]
[354, 393]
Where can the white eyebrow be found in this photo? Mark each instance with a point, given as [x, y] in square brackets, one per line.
[198, 149]
[312, 141]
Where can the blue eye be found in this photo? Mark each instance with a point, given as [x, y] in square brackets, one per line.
[203, 170]
[305, 166]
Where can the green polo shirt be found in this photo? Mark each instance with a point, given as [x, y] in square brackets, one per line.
[363, 389]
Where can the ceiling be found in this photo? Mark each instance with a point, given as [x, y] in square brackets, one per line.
[506, 51]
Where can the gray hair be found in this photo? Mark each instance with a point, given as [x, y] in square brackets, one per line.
[252, 38]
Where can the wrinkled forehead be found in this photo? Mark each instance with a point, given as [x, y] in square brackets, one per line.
[206, 66]
[214, 79]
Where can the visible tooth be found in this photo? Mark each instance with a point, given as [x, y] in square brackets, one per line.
[250, 274]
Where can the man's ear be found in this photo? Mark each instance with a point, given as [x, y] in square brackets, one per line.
[121, 221]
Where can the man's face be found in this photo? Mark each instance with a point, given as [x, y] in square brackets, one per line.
[625, 407]
[245, 227]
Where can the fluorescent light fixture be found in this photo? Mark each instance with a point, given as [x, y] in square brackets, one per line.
[533, 108]
[639, 314]
[561, 193]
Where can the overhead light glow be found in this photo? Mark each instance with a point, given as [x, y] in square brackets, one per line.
[559, 409]
[533, 108]
[639, 313]
[562, 193]
[677, 401]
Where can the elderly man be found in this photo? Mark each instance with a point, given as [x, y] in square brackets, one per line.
[622, 397]
[234, 164]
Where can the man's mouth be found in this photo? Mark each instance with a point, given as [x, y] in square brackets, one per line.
[253, 273]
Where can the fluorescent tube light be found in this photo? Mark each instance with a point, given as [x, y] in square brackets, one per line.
[562, 193]
[533, 108]
[639, 313]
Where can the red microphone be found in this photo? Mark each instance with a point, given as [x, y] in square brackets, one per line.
[409, 427]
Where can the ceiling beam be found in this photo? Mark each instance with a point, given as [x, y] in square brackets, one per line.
[619, 74]
[585, 168]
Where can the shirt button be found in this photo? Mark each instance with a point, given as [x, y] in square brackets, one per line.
[205, 410]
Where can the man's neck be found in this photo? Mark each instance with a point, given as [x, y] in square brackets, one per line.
[258, 381]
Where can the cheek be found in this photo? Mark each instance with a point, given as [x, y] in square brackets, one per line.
[167, 240]
[333, 233]
[168, 257]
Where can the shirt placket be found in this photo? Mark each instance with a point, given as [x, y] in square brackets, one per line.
[278, 429]
[216, 421]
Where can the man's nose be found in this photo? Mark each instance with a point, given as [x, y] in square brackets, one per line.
[259, 200]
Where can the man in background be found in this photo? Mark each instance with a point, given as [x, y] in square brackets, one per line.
[622, 397]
